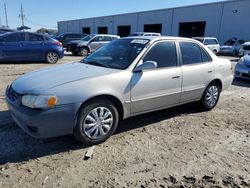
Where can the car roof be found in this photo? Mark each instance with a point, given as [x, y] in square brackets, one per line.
[204, 38]
[246, 44]
[155, 38]
[105, 35]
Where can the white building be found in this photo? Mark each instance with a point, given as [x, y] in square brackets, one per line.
[223, 20]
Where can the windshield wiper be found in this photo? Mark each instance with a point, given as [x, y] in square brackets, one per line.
[97, 63]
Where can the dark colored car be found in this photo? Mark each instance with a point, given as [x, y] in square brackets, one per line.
[26, 46]
[65, 38]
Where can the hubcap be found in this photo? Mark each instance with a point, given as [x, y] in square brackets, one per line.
[52, 57]
[98, 123]
[212, 96]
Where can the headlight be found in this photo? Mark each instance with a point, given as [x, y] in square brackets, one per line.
[39, 101]
[241, 61]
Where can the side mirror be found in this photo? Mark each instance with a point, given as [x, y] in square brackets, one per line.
[147, 65]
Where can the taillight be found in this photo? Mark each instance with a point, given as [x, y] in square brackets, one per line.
[58, 43]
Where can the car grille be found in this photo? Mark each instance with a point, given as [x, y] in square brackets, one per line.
[12, 94]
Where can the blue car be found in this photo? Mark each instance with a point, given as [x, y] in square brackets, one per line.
[26, 46]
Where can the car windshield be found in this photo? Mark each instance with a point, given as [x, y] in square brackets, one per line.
[87, 38]
[118, 54]
[230, 42]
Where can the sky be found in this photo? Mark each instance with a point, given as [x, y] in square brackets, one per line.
[46, 13]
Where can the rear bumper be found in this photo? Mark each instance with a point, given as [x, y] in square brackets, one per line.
[40, 123]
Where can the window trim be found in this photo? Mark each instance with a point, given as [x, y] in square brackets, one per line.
[151, 46]
[193, 64]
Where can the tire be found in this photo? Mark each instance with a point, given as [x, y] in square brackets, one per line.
[214, 90]
[91, 124]
[83, 51]
[52, 57]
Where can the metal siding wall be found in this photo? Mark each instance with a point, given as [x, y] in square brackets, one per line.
[209, 13]
[87, 23]
[62, 27]
[121, 20]
[235, 21]
[104, 22]
[163, 17]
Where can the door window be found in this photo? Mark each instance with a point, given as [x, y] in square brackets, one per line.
[192, 53]
[163, 53]
[107, 38]
[98, 39]
[14, 37]
[34, 37]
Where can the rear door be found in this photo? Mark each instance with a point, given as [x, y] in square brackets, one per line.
[197, 70]
[34, 47]
[12, 47]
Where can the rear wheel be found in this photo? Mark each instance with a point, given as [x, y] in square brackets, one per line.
[96, 122]
[52, 57]
[210, 96]
[83, 51]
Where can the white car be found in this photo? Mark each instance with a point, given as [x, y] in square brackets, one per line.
[245, 49]
[211, 42]
[135, 34]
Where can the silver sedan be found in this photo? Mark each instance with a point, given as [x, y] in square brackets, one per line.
[242, 69]
[127, 77]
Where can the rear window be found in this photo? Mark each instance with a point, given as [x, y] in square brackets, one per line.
[210, 42]
[246, 47]
[34, 37]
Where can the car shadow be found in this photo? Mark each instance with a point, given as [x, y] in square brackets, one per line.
[16, 146]
[22, 62]
[241, 82]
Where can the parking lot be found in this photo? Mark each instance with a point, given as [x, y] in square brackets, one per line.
[181, 146]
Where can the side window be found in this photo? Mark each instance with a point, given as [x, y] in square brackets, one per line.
[34, 37]
[107, 38]
[98, 39]
[14, 37]
[192, 53]
[163, 53]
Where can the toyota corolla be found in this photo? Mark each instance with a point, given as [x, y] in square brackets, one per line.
[127, 77]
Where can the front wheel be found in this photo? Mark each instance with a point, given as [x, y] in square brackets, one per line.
[96, 122]
[210, 96]
[83, 51]
[52, 57]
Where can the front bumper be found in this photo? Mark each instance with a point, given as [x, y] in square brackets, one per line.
[242, 71]
[40, 123]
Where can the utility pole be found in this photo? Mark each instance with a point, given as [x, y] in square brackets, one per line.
[6, 17]
[22, 16]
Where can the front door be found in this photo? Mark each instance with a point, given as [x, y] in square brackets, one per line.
[161, 87]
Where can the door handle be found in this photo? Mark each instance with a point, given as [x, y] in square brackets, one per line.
[175, 77]
[210, 71]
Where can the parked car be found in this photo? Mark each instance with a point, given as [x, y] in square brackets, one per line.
[144, 34]
[65, 38]
[245, 49]
[126, 77]
[89, 44]
[242, 69]
[211, 42]
[231, 47]
[27, 46]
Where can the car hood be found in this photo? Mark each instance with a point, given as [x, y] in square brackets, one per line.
[74, 41]
[38, 82]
